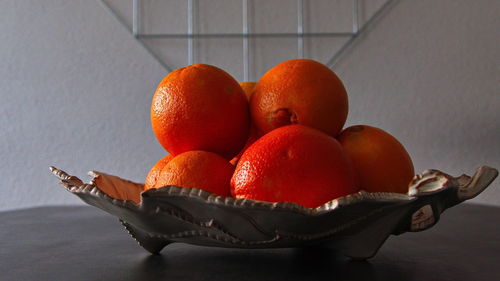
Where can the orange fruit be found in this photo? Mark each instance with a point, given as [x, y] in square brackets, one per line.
[200, 107]
[248, 88]
[251, 139]
[155, 171]
[380, 161]
[299, 91]
[197, 169]
[294, 164]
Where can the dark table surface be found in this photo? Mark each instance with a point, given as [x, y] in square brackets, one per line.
[84, 243]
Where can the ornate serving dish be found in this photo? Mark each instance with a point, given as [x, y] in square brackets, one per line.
[356, 225]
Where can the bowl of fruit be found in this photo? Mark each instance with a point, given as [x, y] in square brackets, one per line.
[270, 165]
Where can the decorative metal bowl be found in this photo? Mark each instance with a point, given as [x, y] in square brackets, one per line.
[356, 225]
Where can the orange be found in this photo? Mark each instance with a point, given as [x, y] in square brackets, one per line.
[197, 169]
[155, 171]
[299, 91]
[200, 107]
[380, 161]
[248, 88]
[251, 139]
[294, 164]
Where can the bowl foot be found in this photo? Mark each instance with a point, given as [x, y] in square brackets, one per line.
[150, 244]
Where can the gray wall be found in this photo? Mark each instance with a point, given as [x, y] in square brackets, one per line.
[75, 90]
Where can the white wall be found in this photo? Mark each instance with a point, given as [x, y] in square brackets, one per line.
[75, 90]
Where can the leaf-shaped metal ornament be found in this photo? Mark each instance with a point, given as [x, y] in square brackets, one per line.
[356, 225]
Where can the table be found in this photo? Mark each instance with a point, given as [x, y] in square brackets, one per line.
[84, 243]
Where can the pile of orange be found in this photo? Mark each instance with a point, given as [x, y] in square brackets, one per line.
[280, 139]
